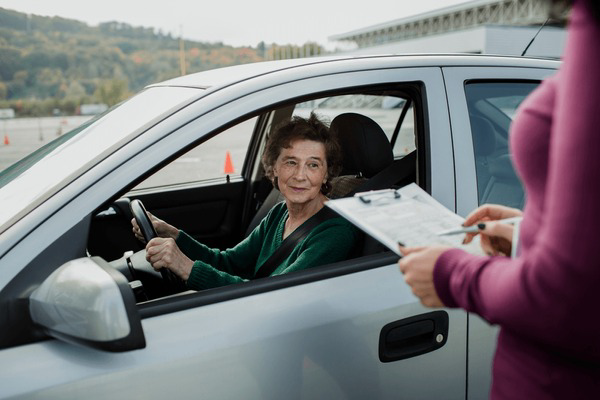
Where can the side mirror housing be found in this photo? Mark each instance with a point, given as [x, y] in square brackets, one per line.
[88, 302]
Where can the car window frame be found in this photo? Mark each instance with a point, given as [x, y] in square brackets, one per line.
[467, 198]
[177, 303]
[501, 123]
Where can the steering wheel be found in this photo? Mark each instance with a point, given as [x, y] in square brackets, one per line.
[141, 217]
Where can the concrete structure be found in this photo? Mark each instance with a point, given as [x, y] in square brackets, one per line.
[477, 26]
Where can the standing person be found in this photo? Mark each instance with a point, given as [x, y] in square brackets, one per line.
[301, 157]
[545, 300]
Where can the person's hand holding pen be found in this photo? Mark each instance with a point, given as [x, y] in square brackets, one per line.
[493, 222]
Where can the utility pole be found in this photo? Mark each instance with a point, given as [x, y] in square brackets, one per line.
[181, 51]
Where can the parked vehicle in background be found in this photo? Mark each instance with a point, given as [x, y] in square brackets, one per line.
[92, 109]
[7, 113]
[74, 322]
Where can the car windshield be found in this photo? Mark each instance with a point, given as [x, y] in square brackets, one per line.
[28, 182]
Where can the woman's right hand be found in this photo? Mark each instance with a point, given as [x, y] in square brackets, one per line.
[162, 228]
[496, 237]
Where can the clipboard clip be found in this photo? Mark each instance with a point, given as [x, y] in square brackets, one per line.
[367, 197]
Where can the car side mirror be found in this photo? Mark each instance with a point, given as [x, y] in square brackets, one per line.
[88, 302]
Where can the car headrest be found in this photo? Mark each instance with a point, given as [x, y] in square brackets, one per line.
[366, 149]
[502, 168]
[484, 136]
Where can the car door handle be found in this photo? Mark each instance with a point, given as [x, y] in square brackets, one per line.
[413, 336]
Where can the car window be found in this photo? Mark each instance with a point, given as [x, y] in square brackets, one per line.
[221, 155]
[385, 110]
[405, 141]
[43, 173]
[492, 107]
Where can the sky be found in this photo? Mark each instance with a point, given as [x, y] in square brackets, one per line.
[236, 23]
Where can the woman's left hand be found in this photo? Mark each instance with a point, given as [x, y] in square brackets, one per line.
[164, 253]
[417, 266]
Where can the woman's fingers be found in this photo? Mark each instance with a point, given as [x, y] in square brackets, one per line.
[496, 238]
[491, 212]
[136, 231]
[485, 212]
[408, 250]
[470, 236]
[164, 253]
[417, 266]
[156, 250]
[498, 229]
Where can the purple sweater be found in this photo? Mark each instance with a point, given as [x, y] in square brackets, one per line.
[547, 301]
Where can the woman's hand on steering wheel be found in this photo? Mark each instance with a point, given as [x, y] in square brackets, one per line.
[164, 253]
[162, 228]
[148, 228]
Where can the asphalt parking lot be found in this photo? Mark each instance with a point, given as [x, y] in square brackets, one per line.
[21, 136]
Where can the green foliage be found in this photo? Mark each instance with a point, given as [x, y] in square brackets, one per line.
[56, 63]
[3, 91]
[112, 92]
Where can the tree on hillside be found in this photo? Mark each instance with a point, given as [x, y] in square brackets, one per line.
[3, 91]
[112, 91]
[66, 60]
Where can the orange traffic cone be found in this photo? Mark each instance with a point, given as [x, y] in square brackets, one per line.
[6, 140]
[228, 164]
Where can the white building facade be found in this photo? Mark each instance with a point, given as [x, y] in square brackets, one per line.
[477, 26]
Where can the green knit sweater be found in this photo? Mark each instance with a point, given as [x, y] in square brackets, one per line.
[330, 241]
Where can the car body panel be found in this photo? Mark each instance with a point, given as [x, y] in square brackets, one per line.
[251, 340]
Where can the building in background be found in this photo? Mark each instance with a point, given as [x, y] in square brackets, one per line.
[281, 52]
[478, 26]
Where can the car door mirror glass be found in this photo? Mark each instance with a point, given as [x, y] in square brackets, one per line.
[88, 302]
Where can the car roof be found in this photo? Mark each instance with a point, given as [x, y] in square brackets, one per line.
[221, 77]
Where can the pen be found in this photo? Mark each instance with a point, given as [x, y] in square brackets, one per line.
[474, 228]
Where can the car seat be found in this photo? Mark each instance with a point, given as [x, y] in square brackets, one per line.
[497, 181]
[367, 162]
[366, 151]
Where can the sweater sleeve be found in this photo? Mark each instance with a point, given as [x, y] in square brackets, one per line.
[329, 242]
[213, 267]
[549, 292]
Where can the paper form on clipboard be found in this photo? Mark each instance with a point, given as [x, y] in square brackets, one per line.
[408, 215]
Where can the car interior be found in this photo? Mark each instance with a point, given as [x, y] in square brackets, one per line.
[491, 106]
[378, 131]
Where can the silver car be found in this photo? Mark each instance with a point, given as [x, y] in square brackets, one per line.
[83, 317]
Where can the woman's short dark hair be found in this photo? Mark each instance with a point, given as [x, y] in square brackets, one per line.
[299, 128]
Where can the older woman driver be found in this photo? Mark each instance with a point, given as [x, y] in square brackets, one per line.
[300, 158]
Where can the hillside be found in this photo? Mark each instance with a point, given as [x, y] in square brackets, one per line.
[52, 63]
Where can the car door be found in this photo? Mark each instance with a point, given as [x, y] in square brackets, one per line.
[482, 102]
[315, 334]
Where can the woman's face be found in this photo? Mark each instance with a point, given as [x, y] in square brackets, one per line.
[300, 170]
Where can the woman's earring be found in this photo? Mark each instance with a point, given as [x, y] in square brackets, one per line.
[326, 187]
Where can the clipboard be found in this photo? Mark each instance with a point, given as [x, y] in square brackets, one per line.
[408, 215]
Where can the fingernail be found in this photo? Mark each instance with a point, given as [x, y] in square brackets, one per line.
[481, 226]
[464, 241]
